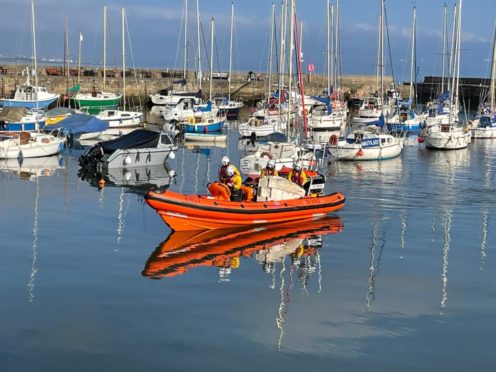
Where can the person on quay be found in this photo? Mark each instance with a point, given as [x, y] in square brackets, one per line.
[234, 183]
[223, 177]
[297, 174]
[270, 169]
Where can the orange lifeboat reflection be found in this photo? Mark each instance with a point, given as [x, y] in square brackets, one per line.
[223, 248]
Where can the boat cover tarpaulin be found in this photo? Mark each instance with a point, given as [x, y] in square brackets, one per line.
[12, 114]
[59, 111]
[137, 139]
[80, 123]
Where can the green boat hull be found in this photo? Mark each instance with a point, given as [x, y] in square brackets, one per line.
[95, 106]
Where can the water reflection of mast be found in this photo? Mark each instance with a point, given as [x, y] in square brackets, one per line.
[485, 220]
[120, 216]
[446, 244]
[34, 269]
[283, 306]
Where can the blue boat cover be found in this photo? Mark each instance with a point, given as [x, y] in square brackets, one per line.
[80, 123]
[443, 97]
[377, 123]
[326, 101]
[207, 108]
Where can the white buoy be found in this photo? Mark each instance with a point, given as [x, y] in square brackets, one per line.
[172, 155]
[172, 173]
[127, 160]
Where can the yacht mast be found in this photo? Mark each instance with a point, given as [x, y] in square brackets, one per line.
[458, 51]
[199, 44]
[212, 25]
[104, 45]
[328, 10]
[123, 16]
[412, 61]
[185, 64]
[281, 58]
[230, 52]
[450, 62]
[331, 53]
[66, 56]
[493, 75]
[443, 53]
[291, 49]
[79, 57]
[382, 49]
[271, 49]
[35, 62]
[337, 63]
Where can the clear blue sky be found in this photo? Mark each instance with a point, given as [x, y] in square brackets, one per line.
[154, 27]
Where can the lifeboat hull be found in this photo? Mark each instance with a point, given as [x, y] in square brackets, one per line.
[197, 212]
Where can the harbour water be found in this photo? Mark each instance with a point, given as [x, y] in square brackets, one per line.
[403, 278]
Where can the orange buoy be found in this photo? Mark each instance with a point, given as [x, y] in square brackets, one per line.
[420, 139]
[360, 152]
[101, 183]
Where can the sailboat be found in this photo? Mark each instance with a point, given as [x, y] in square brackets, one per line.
[122, 118]
[225, 104]
[171, 97]
[22, 145]
[369, 143]
[94, 102]
[484, 125]
[453, 135]
[405, 119]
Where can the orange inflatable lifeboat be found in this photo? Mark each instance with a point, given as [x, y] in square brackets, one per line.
[198, 212]
[184, 250]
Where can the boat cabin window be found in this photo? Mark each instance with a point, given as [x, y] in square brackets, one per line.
[383, 140]
[165, 139]
[444, 128]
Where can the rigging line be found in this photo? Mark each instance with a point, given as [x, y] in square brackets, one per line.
[132, 58]
[179, 38]
[205, 45]
[389, 43]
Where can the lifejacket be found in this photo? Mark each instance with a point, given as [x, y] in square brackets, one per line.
[223, 177]
[297, 177]
[269, 172]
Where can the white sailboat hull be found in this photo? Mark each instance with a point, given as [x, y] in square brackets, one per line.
[451, 138]
[38, 145]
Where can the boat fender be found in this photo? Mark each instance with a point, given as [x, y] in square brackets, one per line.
[333, 140]
[265, 154]
[127, 160]
[191, 120]
[360, 152]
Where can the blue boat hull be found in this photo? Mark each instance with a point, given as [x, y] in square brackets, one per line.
[203, 128]
[16, 127]
[26, 104]
[402, 128]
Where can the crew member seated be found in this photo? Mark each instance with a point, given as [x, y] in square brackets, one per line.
[270, 169]
[234, 183]
[223, 178]
[297, 175]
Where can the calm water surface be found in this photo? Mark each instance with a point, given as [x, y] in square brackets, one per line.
[403, 278]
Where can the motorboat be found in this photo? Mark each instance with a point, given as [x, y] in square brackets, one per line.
[121, 119]
[198, 212]
[172, 97]
[137, 148]
[29, 145]
[80, 127]
[95, 102]
[262, 127]
[30, 96]
[21, 119]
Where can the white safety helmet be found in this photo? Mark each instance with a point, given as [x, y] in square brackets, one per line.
[297, 166]
[225, 160]
[271, 164]
[230, 171]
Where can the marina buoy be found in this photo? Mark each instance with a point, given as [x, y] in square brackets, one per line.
[360, 152]
[420, 139]
[172, 155]
[101, 183]
[127, 160]
[172, 173]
